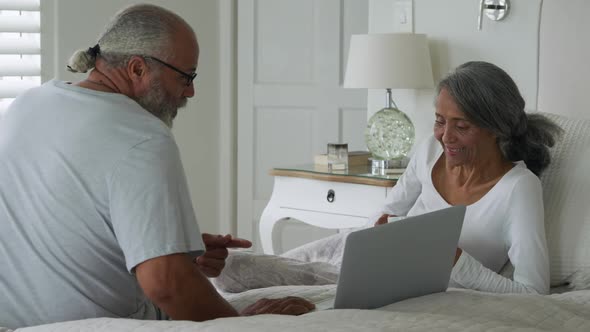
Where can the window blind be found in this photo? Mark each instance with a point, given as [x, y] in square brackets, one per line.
[20, 48]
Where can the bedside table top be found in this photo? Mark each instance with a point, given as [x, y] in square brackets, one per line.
[355, 174]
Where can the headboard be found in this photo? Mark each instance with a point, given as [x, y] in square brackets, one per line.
[564, 53]
[564, 75]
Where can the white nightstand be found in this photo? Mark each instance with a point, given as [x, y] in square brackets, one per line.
[316, 196]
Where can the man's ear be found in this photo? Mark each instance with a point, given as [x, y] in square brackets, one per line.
[137, 70]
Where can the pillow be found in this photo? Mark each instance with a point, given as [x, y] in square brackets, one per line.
[566, 194]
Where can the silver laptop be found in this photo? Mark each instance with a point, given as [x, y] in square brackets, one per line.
[402, 259]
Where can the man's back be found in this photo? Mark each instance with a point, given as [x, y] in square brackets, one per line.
[63, 153]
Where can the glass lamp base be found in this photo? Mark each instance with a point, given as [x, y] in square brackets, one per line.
[389, 134]
[385, 167]
[386, 164]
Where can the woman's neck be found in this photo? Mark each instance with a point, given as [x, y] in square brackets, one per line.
[482, 171]
[468, 183]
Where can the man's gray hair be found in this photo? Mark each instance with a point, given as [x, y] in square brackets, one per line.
[490, 99]
[136, 30]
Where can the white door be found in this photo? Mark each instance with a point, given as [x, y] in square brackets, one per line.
[291, 63]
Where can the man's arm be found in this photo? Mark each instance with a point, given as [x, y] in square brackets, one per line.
[177, 286]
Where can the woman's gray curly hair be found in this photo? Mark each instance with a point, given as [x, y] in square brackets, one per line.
[490, 99]
[136, 30]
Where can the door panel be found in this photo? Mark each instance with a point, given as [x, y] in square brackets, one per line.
[291, 60]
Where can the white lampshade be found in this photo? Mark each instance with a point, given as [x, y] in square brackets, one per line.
[389, 60]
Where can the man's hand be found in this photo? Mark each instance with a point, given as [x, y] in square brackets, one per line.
[383, 219]
[213, 260]
[289, 305]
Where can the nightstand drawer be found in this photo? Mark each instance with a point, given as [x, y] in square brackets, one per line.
[322, 199]
[329, 197]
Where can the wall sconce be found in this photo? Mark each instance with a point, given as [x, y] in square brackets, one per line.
[495, 10]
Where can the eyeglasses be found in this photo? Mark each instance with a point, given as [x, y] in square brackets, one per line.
[189, 77]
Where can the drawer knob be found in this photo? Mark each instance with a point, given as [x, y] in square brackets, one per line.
[331, 196]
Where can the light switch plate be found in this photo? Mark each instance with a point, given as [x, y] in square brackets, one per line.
[403, 20]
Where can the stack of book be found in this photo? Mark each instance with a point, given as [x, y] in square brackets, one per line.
[355, 158]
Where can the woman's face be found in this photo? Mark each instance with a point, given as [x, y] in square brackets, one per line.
[463, 142]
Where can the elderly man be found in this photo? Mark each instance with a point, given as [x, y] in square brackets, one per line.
[95, 212]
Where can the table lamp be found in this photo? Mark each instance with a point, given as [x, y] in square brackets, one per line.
[389, 61]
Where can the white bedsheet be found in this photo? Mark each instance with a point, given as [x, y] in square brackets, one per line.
[455, 310]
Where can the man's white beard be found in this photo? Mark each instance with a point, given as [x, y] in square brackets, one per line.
[163, 106]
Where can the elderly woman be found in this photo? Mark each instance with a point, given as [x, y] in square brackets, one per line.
[486, 153]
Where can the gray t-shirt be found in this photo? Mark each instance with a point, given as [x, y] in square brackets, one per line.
[92, 185]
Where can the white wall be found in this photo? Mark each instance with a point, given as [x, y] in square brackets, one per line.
[72, 24]
[454, 39]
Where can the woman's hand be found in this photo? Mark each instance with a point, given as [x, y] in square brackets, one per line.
[457, 255]
[383, 219]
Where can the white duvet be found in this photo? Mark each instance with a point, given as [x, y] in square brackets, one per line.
[455, 310]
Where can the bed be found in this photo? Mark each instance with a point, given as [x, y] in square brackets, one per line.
[454, 310]
[566, 188]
